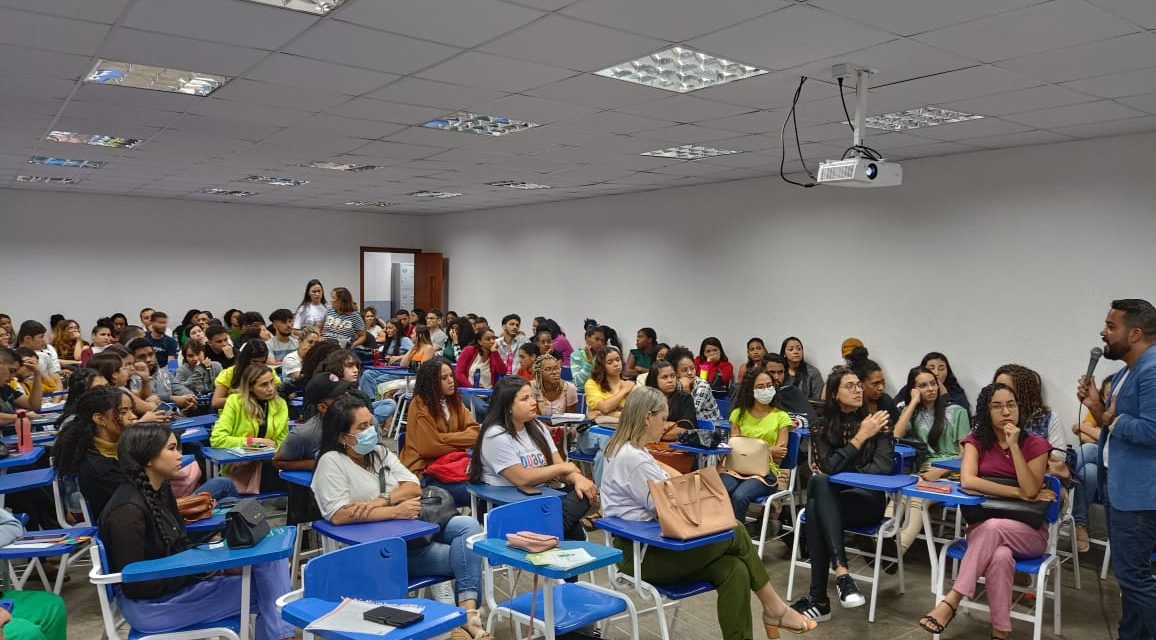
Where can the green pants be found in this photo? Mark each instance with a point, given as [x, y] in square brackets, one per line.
[733, 566]
[36, 615]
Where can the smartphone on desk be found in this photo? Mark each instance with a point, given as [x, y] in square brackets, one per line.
[530, 491]
[392, 616]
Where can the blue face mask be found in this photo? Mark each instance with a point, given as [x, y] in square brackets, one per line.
[366, 441]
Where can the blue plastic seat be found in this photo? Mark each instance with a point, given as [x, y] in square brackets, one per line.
[575, 606]
[787, 495]
[684, 590]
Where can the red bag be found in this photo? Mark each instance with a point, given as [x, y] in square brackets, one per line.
[452, 467]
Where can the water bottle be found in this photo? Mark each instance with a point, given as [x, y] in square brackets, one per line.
[477, 378]
[23, 432]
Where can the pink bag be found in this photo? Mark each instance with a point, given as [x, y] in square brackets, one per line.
[531, 542]
[187, 479]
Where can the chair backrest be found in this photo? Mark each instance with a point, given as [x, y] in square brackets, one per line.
[567, 375]
[400, 442]
[792, 457]
[581, 401]
[371, 571]
[724, 405]
[105, 593]
[540, 515]
[1053, 514]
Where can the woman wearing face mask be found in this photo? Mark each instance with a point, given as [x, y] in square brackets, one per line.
[757, 414]
[359, 480]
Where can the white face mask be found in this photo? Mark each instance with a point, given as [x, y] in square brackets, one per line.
[764, 396]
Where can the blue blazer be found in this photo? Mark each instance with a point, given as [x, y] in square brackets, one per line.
[1132, 452]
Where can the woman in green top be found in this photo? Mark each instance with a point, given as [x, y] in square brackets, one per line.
[756, 414]
[932, 420]
[642, 358]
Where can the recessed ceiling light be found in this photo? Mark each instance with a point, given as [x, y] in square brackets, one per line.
[689, 152]
[316, 7]
[213, 191]
[277, 182]
[515, 184]
[46, 180]
[341, 166]
[466, 122]
[917, 119]
[143, 76]
[434, 194]
[66, 162]
[365, 203]
[680, 69]
[93, 139]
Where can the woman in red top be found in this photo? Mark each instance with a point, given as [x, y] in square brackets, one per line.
[713, 365]
[480, 361]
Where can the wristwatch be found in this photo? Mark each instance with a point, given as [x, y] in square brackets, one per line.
[388, 501]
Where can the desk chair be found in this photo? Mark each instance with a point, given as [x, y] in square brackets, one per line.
[791, 461]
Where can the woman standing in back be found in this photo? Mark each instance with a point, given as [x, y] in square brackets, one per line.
[342, 322]
[311, 311]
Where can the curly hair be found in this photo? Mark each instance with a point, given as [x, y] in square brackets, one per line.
[1028, 389]
[315, 356]
[981, 424]
[75, 438]
[428, 387]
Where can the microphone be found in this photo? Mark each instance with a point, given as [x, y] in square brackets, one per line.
[1093, 360]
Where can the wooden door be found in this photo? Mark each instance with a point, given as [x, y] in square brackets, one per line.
[429, 281]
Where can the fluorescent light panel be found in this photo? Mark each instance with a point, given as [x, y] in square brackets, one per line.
[46, 180]
[277, 182]
[689, 152]
[680, 69]
[466, 122]
[213, 191]
[341, 166]
[435, 194]
[74, 163]
[143, 76]
[315, 7]
[97, 140]
[920, 118]
[516, 184]
[368, 203]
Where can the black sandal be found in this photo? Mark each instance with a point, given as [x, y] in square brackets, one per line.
[931, 625]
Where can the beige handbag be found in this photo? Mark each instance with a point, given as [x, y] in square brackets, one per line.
[749, 457]
[692, 505]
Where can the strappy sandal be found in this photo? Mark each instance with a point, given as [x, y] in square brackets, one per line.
[461, 633]
[772, 628]
[931, 625]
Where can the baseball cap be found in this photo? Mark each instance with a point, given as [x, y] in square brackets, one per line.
[325, 385]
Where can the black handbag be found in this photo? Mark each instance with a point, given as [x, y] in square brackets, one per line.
[1033, 514]
[245, 524]
[437, 507]
[704, 438]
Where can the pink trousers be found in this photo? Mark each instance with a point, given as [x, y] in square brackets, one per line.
[992, 549]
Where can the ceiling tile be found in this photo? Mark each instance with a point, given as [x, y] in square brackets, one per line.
[533, 109]
[261, 114]
[909, 17]
[687, 134]
[1075, 114]
[1117, 85]
[616, 122]
[673, 20]
[368, 109]
[105, 11]
[598, 92]
[762, 92]
[275, 95]
[356, 127]
[1114, 128]
[391, 150]
[1021, 139]
[117, 115]
[684, 108]
[175, 52]
[790, 37]
[1140, 12]
[1019, 33]
[895, 61]
[929, 150]
[571, 44]
[239, 129]
[49, 32]
[241, 23]
[971, 129]
[345, 43]
[286, 69]
[492, 72]
[31, 86]
[50, 64]
[754, 122]
[1145, 103]
[1032, 99]
[957, 85]
[462, 24]
[1115, 55]
[443, 95]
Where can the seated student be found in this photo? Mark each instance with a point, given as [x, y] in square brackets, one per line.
[875, 396]
[35, 615]
[374, 326]
[553, 394]
[679, 404]
[847, 439]
[479, 366]
[756, 351]
[310, 365]
[705, 405]
[928, 418]
[359, 480]
[5, 338]
[558, 340]
[166, 346]
[791, 399]
[291, 362]
[606, 391]
[756, 413]
[101, 338]
[394, 343]
[116, 365]
[68, 344]
[713, 365]
[949, 387]
[437, 335]
[389, 384]
[525, 357]
[1038, 418]
[13, 399]
[253, 415]
[800, 373]
[253, 326]
[298, 452]
[732, 566]
[642, 357]
[439, 423]
[252, 351]
[33, 335]
[219, 349]
[342, 321]
[282, 342]
[232, 322]
[514, 449]
[129, 333]
[461, 335]
[1087, 469]
[141, 522]
[197, 374]
[998, 446]
[160, 380]
[119, 322]
[195, 333]
[582, 360]
[346, 366]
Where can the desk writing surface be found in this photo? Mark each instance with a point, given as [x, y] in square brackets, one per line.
[200, 559]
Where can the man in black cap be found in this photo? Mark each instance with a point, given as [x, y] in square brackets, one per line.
[298, 452]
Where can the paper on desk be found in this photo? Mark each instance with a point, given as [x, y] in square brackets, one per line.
[349, 617]
[563, 418]
[32, 545]
[561, 558]
[240, 451]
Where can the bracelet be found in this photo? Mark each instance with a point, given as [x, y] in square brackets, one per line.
[249, 440]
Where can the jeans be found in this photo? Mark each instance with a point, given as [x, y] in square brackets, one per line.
[447, 555]
[370, 379]
[1133, 537]
[457, 489]
[1088, 472]
[830, 509]
[383, 409]
[219, 488]
[743, 492]
[215, 598]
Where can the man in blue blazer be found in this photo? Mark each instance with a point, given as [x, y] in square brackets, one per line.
[1129, 454]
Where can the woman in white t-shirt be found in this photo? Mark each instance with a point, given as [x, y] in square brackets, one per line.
[358, 480]
[313, 307]
[515, 449]
[732, 565]
[291, 363]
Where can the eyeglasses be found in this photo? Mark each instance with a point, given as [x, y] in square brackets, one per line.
[126, 367]
[852, 386]
[1007, 406]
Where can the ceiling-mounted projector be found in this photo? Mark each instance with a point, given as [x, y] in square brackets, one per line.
[860, 172]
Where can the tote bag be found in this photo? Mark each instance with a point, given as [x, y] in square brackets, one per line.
[692, 505]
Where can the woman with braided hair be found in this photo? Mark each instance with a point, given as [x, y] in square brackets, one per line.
[141, 522]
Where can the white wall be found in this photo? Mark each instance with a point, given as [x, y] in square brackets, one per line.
[991, 257]
[91, 255]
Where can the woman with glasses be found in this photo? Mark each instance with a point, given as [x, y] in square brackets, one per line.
[68, 343]
[847, 439]
[553, 394]
[757, 413]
